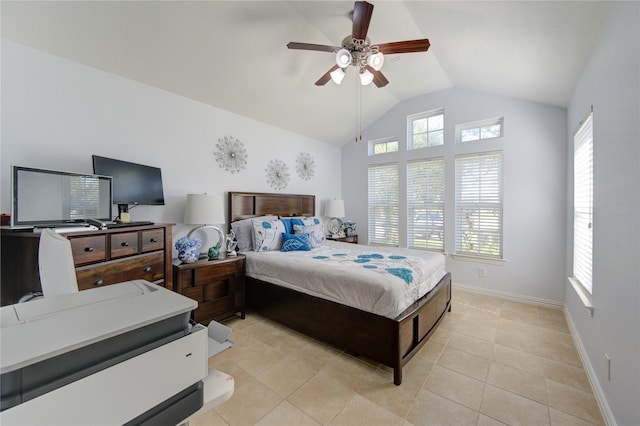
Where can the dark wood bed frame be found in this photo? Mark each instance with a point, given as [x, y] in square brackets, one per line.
[391, 342]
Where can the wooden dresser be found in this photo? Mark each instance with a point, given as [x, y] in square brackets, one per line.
[101, 258]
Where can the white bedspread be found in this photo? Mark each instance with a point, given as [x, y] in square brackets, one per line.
[384, 281]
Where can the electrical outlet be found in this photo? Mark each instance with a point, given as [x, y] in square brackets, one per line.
[482, 273]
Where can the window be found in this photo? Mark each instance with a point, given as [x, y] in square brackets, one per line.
[425, 204]
[383, 206]
[479, 130]
[583, 204]
[425, 129]
[383, 146]
[479, 205]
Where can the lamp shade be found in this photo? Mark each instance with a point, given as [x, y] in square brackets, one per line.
[343, 58]
[334, 208]
[203, 209]
[337, 75]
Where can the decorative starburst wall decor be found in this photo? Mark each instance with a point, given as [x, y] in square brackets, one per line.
[231, 154]
[305, 166]
[277, 174]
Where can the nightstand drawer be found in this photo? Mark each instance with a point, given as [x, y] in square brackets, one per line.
[88, 249]
[206, 275]
[124, 244]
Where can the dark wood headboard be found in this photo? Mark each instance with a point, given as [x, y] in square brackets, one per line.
[243, 205]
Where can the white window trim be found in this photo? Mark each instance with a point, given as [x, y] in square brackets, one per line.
[479, 124]
[411, 118]
[373, 143]
[479, 256]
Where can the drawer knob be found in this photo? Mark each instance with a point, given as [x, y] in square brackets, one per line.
[125, 244]
[147, 269]
[153, 240]
[88, 249]
[98, 282]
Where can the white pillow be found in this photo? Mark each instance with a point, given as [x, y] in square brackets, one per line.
[244, 231]
[316, 233]
[267, 235]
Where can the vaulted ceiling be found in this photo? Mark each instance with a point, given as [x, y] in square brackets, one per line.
[233, 55]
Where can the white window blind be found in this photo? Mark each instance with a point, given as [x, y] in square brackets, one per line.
[479, 204]
[383, 204]
[425, 204]
[583, 204]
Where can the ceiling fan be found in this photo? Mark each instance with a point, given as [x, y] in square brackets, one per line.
[358, 51]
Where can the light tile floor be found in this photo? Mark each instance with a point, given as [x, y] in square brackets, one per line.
[491, 362]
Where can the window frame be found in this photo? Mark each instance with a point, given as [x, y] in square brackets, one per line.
[480, 124]
[424, 115]
[434, 211]
[484, 204]
[386, 141]
[386, 207]
[582, 269]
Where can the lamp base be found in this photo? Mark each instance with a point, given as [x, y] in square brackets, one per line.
[205, 254]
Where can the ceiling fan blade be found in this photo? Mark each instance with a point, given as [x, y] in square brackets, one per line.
[407, 46]
[378, 78]
[310, 46]
[362, 12]
[326, 77]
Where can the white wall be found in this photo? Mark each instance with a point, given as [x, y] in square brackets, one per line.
[57, 113]
[611, 84]
[534, 186]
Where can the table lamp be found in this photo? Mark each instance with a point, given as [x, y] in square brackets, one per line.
[335, 210]
[205, 210]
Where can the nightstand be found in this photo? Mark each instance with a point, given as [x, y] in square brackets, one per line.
[217, 285]
[350, 239]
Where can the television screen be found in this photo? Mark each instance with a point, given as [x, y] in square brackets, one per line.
[51, 197]
[133, 184]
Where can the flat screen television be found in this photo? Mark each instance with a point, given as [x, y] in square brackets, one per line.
[133, 184]
[51, 197]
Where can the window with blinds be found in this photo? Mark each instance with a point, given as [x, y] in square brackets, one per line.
[83, 199]
[583, 203]
[479, 204]
[383, 204]
[425, 204]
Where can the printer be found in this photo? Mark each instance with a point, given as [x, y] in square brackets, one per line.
[126, 353]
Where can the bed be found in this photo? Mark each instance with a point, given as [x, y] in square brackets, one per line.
[382, 334]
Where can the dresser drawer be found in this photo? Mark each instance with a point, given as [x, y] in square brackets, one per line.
[148, 267]
[152, 240]
[124, 244]
[88, 249]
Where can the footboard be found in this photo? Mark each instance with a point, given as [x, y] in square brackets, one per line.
[392, 342]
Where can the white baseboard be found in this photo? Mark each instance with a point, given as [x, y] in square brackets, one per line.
[591, 373]
[553, 304]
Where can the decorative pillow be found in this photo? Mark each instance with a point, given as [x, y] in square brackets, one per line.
[293, 242]
[290, 221]
[316, 233]
[311, 221]
[244, 231]
[267, 235]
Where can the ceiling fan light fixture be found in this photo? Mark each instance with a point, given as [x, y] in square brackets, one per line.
[376, 61]
[337, 75]
[343, 58]
[366, 77]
